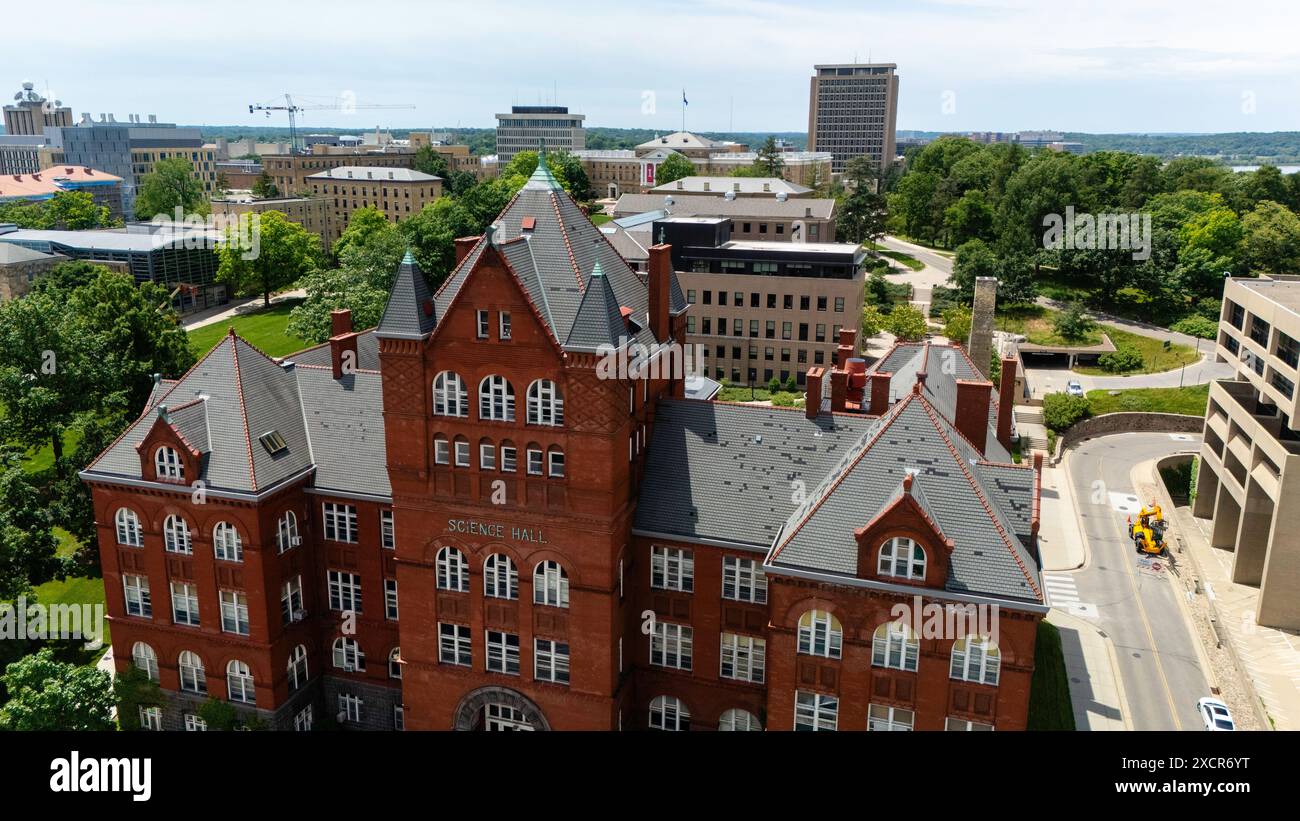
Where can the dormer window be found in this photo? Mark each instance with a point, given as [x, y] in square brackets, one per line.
[167, 462]
[902, 558]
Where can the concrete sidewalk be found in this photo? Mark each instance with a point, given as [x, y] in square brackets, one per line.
[1061, 545]
[1096, 690]
[235, 307]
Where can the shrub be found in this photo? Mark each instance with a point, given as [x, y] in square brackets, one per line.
[1123, 359]
[1061, 410]
[774, 385]
[956, 324]
[1196, 325]
[907, 323]
[1072, 323]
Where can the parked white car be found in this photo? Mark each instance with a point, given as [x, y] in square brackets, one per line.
[1215, 715]
[1073, 388]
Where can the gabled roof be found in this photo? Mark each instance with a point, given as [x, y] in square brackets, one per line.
[988, 558]
[599, 321]
[408, 314]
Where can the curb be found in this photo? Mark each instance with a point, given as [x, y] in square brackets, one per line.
[1063, 466]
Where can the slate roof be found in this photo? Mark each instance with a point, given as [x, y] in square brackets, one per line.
[686, 204]
[236, 393]
[406, 315]
[319, 355]
[962, 493]
[599, 321]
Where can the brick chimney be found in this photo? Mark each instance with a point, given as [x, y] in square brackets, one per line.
[463, 246]
[880, 393]
[812, 406]
[661, 272]
[839, 389]
[343, 343]
[848, 347]
[1006, 400]
[972, 413]
[980, 343]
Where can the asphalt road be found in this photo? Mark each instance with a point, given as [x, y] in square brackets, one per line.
[1131, 597]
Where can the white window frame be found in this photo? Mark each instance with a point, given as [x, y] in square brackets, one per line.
[234, 611]
[487, 456]
[129, 532]
[145, 659]
[898, 559]
[500, 577]
[672, 568]
[340, 522]
[509, 459]
[672, 645]
[738, 720]
[820, 634]
[390, 599]
[344, 591]
[290, 599]
[395, 663]
[953, 724]
[502, 652]
[670, 714]
[536, 462]
[303, 721]
[387, 530]
[452, 570]
[816, 712]
[441, 450]
[168, 464]
[286, 536]
[450, 398]
[551, 661]
[743, 580]
[887, 718]
[176, 535]
[743, 658]
[503, 324]
[185, 603]
[193, 677]
[550, 584]
[347, 655]
[481, 325]
[226, 543]
[496, 399]
[135, 589]
[150, 718]
[545, 403]
[350, 706]
[895, 647]
[976, 659]
[461, 448]
[297, 665]
[455, 647]
[239, 683]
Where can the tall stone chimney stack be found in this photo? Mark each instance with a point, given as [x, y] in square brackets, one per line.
[980, 344]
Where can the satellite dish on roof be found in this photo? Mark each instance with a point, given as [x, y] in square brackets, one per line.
[782, 196]
[730, 195]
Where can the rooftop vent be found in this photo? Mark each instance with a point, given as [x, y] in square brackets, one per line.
[273, 442]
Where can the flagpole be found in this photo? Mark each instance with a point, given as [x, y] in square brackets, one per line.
[683, 110]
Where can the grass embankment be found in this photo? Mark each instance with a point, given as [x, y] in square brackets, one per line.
[1049, 690]
[264, 329]
[1156, 358]
[1189, 401]
[1036, 323]
[783, 399]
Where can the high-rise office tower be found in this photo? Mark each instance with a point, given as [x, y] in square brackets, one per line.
[852, 112]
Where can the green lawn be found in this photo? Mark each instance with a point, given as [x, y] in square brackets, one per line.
[600, 219]
[1190, 401]
[742, 394]
[1155, 357]
[1049, 691]
[898, 256]
[264, 329]
[1034, 322]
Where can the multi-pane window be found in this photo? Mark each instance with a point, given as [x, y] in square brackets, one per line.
[395, 663]
[743, 580]
[820, 634]
[340, 522]
[226, 544]
[671, 645]
[185, 603]
[672, 568]
[150, 718]
[348, 656]
[508, 459]
[390, 599]
[962, 725]
[555, 463]
[234, 612]
[167, 462]
[287, 533]
[481, 324]
[144, 658]
[545, 403]
[894, 645]
[453, 570]
[815, 711]
[503, 324]
[502, 652]
[345, 591]
[193, 677]
[303, 721]
[903, 558]
[535, 462]
[136, 591]
[350, 707]
[297, 667]
[291, 600]
[743, 657]
[462, 452]
[399, 717]
[449, 395]
[487, 456]
[551, 661]
[441, 450]
[387, 532]
[736, 720]
[668, 713]
[176, 535]
[550, 585]
[453, 644]
[496, 399]
[239, 682]
[977, 659]
[129, 532]
[881, 717]
[500, 577]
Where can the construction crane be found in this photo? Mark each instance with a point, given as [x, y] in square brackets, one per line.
[293, 109]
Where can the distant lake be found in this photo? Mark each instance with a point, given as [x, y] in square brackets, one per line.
[1285, 169]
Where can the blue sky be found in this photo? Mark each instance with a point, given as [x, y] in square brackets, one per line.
[1099, 65]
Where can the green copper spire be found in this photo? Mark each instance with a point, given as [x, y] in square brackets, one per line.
[597, 272]
[542, 176]
[407, 259]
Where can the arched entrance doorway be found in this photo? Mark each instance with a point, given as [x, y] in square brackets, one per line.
[498, 709]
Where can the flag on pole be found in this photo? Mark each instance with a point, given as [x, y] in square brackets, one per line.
[684, 100]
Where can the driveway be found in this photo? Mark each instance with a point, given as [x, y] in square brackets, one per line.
[235, 307]
[937, 270]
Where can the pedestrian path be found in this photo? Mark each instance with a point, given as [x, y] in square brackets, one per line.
[1063, 594]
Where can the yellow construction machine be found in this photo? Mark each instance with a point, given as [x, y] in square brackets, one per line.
[1148, 532]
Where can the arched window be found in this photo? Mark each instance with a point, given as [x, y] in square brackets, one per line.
[820, 634]
[193, 678]
[287, 534]
[239, 682]
[453, 570]
[739, 720]
[500, 577]
[496, 399]
[226, 544]
[395, 663]
[550, 585]
[449, 396]
[128, 528]
[297, 668]
[545, 403]
[669, 713]
[143, 656]
[903, 558]
[894, 645]
[976, 658]
[348, 656]
[176, 535]
[167, 462]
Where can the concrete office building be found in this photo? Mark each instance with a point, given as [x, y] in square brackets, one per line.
[527, 126]
[774, 219]
[290, 172]
[763, 310]
[1248, 481]
[853, 112]
[21, 154]
[30, 113]
[396, 192]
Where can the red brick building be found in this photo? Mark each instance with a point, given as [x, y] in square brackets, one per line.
[462, 519]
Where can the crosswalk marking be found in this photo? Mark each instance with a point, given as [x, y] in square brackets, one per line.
[1064, 594]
